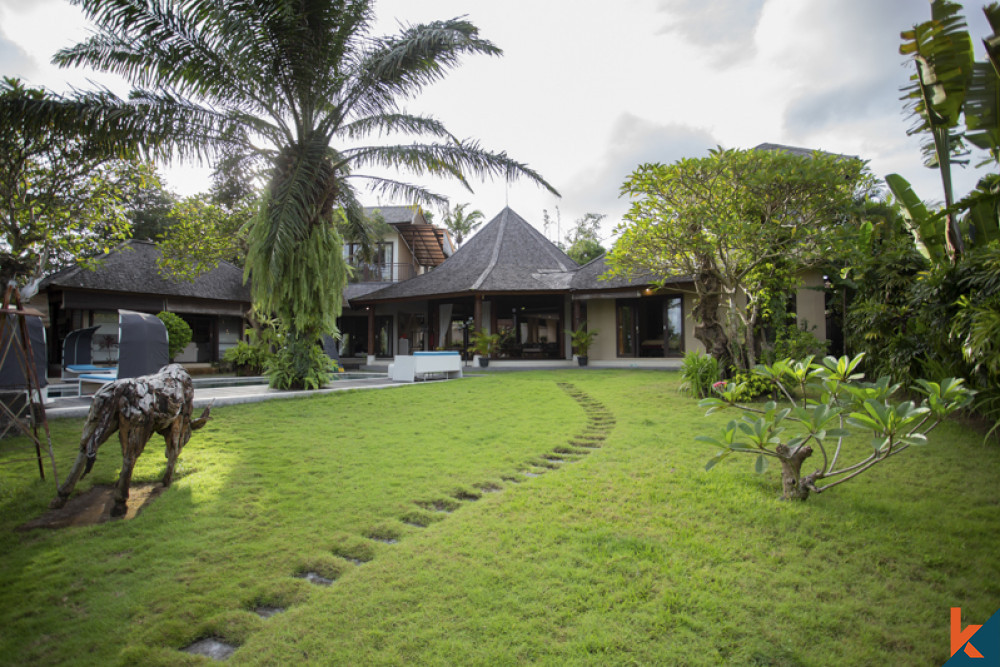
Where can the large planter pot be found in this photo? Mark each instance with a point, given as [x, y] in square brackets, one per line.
[484, 362]
[581, 360]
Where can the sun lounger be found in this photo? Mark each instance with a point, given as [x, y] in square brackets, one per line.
[408, 367]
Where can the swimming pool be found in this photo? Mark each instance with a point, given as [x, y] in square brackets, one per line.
[220, 382]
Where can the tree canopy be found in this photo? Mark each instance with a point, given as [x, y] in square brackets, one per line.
[583, 242]
[62, 198]
[460, 224]
[299, 86]
[739, 223]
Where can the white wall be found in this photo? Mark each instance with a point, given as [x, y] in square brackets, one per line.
[810, 304]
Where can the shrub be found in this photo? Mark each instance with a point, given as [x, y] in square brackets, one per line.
[178, 333]
[699, 372]
[794, 342]
[749, 386]
[248, 359]
[299, 364]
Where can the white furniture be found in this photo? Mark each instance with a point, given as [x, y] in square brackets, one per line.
[408, 367]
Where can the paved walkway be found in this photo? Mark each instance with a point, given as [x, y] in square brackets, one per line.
[69, 407]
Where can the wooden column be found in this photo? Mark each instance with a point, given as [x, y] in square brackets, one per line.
[477, 313]
[371, 330]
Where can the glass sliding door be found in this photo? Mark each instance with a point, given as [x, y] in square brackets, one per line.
[650, 327]
[626, 328]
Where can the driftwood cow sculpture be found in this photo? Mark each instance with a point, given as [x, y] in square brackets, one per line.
[136, 407]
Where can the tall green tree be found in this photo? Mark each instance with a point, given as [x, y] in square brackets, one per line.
[461, 224]
[63, 198]
[149, 212]
[583, 242]
[300, 83]
[203, 230]
[722, 220]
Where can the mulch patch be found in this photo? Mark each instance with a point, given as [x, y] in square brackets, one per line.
[94, 506]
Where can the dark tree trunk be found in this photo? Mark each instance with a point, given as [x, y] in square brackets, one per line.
[708, 328]
[793, 485]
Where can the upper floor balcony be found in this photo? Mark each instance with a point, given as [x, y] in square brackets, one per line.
[380, 273]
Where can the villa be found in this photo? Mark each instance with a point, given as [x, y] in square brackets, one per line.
[510, 279]
[419, 293]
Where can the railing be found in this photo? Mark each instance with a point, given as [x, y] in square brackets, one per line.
[381, 273]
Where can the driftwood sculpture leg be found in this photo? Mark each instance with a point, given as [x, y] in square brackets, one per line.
[136, 408]
[100, 425]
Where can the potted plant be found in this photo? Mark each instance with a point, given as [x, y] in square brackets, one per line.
[582, 340]
[483, 344]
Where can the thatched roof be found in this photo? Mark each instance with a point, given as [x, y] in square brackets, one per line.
[589, 278]
[394, 215]
[801, 152]
[506, 255]
[131, 268]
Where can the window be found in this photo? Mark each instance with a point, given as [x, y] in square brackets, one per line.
[650, 327]
[381, 270]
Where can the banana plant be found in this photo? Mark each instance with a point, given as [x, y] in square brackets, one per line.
[942, 54]
[950, 88]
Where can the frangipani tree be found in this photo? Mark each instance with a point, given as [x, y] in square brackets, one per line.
[299, 84]
[727, 220]
[819, 406]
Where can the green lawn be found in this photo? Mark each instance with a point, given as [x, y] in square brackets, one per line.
[627, 552]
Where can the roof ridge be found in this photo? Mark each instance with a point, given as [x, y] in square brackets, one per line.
[496, 251]
[553, 250]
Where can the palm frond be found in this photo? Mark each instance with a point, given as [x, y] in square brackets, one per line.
[456, 160]
[191, 49]
[394, 190]
[403, 64]
[157, 126]
[395, 122]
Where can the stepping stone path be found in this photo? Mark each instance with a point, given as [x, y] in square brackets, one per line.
[600, 421]
[211, 647]
[315, 578]
[268, 612]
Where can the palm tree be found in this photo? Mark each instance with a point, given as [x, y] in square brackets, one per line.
[461, 224]
[284, 81]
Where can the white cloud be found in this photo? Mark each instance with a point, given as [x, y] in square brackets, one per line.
[15, 61]
[724, 27]
[632, 141]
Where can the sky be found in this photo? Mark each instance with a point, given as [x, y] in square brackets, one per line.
[586, 91]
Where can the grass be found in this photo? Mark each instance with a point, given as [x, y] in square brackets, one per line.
[442, 550]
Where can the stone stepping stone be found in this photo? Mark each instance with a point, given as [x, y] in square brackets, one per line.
[267, 612]
[442, 506]
[315, 578]
[211, 647]
[489, 487]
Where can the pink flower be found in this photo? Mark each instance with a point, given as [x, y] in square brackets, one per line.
[719, 386]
